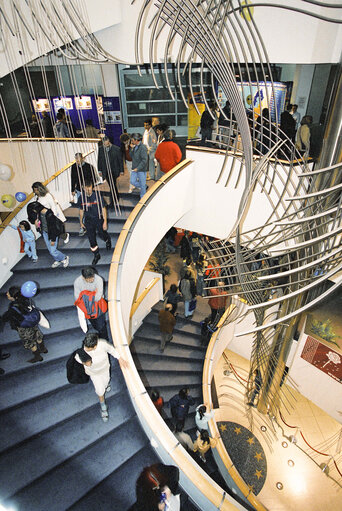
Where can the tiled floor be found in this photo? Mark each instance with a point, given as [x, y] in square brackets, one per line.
[305, 486]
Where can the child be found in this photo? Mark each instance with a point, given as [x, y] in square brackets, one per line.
[29, 240]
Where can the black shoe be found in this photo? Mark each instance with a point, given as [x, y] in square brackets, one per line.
[2, 371]
[96, 259]
[42, 348]
[3, 356]
[108, 244]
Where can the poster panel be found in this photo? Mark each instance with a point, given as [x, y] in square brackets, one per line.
[323, 358]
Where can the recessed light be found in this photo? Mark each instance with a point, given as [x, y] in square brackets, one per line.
[263, 428]
[284, 444]
[279, 486]
[290, 463]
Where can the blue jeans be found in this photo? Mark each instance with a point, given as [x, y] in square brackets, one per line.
[30, 249]
[138, 179]
[56, 254]
[186, 307]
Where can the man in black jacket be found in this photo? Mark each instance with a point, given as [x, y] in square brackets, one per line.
[110, 166]
[81, 172]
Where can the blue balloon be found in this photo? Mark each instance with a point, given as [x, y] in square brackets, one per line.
[29, 289]
[20, 196]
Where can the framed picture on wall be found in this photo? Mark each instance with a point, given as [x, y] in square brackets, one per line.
[41, 105]
[83, 103]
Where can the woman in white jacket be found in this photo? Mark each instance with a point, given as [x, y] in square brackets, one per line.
[45, 198]
[99, 366]
[202, 417]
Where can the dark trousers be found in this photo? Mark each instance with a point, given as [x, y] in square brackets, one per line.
[206, 134]
[114, 192]
[100, 325]
[93, 226]
[216, 314]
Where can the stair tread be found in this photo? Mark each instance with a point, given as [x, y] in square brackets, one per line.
[103, 498]
[173, 348]
[29, 419]
[68, 482]
[55, 446]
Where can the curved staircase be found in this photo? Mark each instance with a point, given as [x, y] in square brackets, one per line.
[55, 452]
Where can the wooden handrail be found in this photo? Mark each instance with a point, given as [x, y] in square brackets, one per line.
[15, 211]
[206, 381]
[151, 417]
[141, 297]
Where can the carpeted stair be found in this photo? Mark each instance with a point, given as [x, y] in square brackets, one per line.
[180, 365]
[55, 451]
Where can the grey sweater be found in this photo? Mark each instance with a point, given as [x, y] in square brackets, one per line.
[81, 284]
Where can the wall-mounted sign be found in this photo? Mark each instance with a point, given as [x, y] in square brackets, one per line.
[65, 103]
[83, 103]
[41, 105]
[112, 117]
[323, 358]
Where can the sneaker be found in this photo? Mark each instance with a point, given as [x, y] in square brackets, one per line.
[82, 231]
[56, 264]
[67, 237]
[65, 262]
[104, 415]
[35, 260]
[108, 244]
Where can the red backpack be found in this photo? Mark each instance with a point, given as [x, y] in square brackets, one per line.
[91, 308]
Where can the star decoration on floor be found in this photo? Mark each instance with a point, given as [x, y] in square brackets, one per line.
[258, 474]
[258, 456]
[250, 440]
[237, 431]
[223, 427]
[251, 487]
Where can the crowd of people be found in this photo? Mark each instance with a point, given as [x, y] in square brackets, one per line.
[216, 127]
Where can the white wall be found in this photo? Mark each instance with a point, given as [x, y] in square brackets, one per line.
[325, 393]
[215, 206]
[152, 297]
[289, 37]
[97, 15]
[37, 161]
[9, 238]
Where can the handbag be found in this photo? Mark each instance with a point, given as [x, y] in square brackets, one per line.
[43, 321]
[192, 304]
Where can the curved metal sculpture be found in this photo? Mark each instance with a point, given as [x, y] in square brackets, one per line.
[285, 252]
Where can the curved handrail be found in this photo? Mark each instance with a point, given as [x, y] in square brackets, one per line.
[141, 297]
[145, 408]
[206, 381]
[16, 210]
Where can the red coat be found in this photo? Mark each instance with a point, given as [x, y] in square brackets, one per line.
[168, 154]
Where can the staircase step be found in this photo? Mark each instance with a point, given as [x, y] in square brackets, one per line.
[179, 378]
[152, 331]
[53, 278]
[53, 447]
[31, 418]
[168, 392]
[188, 326]
[173, 349]
[104, 496]
[157, 362]
[69, 482]
[58, 344]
